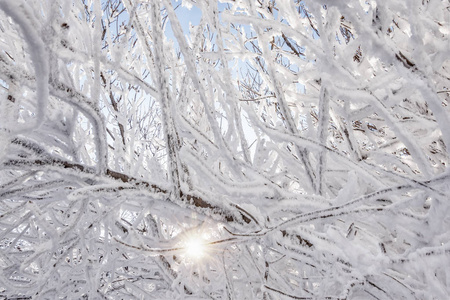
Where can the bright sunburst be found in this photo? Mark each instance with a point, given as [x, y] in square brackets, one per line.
[195, 247]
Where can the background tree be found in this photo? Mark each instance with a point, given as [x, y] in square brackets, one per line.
[274, 149]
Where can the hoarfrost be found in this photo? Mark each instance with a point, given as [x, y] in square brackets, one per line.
[304, 146]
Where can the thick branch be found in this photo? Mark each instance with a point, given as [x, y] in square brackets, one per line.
[192, 200]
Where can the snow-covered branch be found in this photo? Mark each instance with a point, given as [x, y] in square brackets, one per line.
[224, 149]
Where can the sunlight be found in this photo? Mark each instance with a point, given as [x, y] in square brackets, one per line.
[195, 247]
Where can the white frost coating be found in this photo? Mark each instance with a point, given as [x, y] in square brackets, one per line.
[101, 145]
[170, 132]
[363, 84]
[96, 50]
[324, 116]
[178, 32]
[79, 101]
[21, 14]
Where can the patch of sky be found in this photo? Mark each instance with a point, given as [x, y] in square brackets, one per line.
[188, 15]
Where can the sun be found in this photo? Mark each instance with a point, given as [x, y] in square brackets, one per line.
[195, 247]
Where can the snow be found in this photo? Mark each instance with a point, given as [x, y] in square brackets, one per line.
[23, 17]
[224, 149]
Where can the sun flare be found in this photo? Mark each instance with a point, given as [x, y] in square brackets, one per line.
[195, 247]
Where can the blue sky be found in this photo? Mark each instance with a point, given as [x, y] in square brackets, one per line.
[187, 15]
